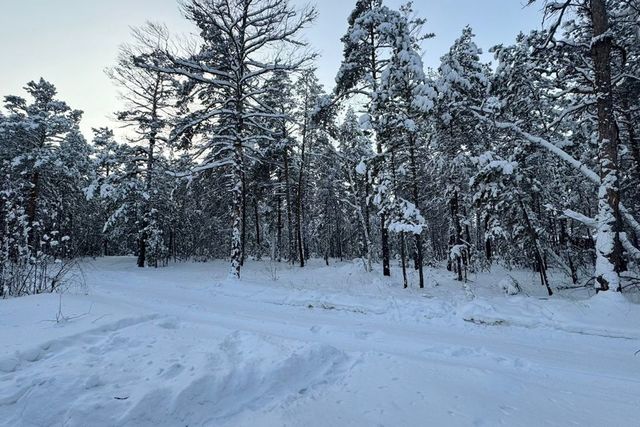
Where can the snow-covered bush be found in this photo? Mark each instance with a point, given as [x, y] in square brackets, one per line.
[509, 286]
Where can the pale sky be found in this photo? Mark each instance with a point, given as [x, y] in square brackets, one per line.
[71, 42]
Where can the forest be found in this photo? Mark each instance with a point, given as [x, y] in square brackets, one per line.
[446, 239]
[229, 148]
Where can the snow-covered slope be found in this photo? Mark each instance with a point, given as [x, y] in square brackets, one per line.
[181, 346]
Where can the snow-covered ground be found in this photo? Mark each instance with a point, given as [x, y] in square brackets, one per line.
[181, 346]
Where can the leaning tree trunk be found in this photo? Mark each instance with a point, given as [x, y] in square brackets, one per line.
[609, 256]
[537, 250]
[564, 245]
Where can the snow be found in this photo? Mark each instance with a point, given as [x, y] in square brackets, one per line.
[321, 346]
[509, 286]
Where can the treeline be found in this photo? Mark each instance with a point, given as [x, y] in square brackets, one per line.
[234, 150]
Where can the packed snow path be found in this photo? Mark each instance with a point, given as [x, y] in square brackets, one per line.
[181, 346]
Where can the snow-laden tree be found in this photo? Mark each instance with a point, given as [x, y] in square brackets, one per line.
[328, 222]
[366, 52]
[149, 99]
[589, 92]
[133, 208]
[401, 102]
[525, 87]
[380, 55]
[44, 159]
[462, 81]
[242, 43]
[308, 93]
[280, 147]
[354, 149]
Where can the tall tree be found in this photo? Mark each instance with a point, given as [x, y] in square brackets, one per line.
[309, 93]
[226, 76]
[609, 262]
[366, 52]
[148, 96]
[44, 159]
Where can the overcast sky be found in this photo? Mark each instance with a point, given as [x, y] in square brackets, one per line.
[71, 42]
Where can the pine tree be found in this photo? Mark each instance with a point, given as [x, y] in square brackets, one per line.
[462, 82]
[355, 149]
[308, 92]
[226, 77]
[149, 98]
[402, 101]
[41, 180]
[366, 46]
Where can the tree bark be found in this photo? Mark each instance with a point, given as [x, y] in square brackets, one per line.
[416, 202]
[609, 255]
[146, 208]
[236, 244]
[299, 197]
[403, 258]
[457, 229]
[367, 245]
[32, 210]
[278, 251]
[287, 189]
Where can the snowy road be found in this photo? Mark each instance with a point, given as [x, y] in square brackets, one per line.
[326, 346]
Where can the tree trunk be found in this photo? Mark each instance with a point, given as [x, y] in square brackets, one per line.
[609, 262]
[299, 198]
[537, 251]
[363, 220]
[457, 229]
[236, 194]
[403, 258]
[257, 223]
[278, 251]
[384, 233]
[238, 154]
[416, 202]
[32, 210]
[146, 204]
[142, 251]
[386, 259]
[299, 232]
[338, 233]
[287, 188]
[488, 250]
[244, 221]
[564, 244]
